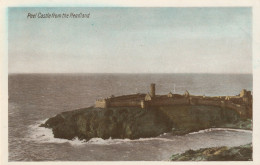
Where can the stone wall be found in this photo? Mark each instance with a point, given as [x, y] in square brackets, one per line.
[125, 103]
[241, 109]
[133, 100]
[169, 101]
[135, 97]
[101, 103]
[138, 100]
[208, 102]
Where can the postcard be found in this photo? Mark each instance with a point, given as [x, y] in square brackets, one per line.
[102, 83]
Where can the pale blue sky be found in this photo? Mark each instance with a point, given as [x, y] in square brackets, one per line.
[132, 40]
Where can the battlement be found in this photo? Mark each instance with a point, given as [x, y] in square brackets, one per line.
[241, 103]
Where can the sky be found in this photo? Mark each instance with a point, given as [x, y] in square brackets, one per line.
[131, 40]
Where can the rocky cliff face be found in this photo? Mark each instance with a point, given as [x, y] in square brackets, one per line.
[129, 123]
[133, 123]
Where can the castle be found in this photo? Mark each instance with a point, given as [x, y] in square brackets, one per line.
[241, 103]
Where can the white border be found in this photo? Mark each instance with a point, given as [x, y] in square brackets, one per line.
[255, 4]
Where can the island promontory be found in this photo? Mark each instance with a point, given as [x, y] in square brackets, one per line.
[149, 115]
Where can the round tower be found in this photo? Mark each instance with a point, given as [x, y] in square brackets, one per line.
[152, 90]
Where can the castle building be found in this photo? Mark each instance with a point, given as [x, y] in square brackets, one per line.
[241, 102]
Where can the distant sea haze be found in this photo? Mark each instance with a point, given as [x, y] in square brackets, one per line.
[195, 83]
[35, 97]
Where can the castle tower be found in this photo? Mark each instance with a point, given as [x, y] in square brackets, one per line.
[186, 94]
[152, 90]
[243, 93]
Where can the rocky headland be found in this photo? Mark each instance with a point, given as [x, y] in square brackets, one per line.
[135, 122]
[149, 115]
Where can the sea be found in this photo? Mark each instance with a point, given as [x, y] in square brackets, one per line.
[33, 98]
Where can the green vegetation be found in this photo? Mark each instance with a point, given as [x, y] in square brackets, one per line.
[240, 153]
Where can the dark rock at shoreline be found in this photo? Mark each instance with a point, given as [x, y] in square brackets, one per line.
[240, 153]
[91, 122]
[134, 122]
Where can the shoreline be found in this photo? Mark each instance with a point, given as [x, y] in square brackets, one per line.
[34, 127]
[163, 137]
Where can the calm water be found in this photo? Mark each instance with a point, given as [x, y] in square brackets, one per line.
[35, 97]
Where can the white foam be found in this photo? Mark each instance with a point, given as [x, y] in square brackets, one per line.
[221, 129]
[118, 141]
[109, 141]
[45, 135]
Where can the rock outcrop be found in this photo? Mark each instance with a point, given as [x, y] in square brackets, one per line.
[91, 122]
[240, 153]
[134, 123]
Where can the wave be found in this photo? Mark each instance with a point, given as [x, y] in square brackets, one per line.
[118, 141]
[220, 129]
[45, 135]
